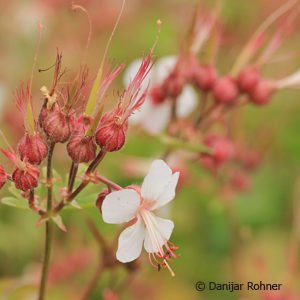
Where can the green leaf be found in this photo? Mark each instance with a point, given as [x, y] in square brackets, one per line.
[15, 202]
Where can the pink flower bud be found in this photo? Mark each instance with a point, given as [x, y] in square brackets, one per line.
[173, 84]
[111, 133]
[204, 77]
[26, 178]
[221, 146]
[101, 198]
[33, 148]
[248, 78]
[225, 90]
[157, 95]
[3, 176]
[57, 126]
[262, 92]
[81, 148]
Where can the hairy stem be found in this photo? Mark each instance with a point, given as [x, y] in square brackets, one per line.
[108, 182]
[72, 176]
[49, 228]
[32, 204]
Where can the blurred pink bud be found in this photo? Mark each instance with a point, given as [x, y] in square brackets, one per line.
[57, 126]
[262, 92]
[157, 95]
[221, 146]
[100, 199]
[248, 78]
[111, 133]
[33, 148]
[173, 84]
[3, 176]
[204, 77]
[225, 90]
[26, 178]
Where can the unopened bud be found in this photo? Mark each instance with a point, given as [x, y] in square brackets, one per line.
[173, 85]
[221, 146]
[262, 92]
[58, 126]
[26, 178]
[111, 133]
[204, 77]
[225, 90]
[33, 148]
[81, 148]
[157, 95]
[247, 79]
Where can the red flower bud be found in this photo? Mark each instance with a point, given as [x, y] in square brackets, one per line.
[247, 79]
[157, 95]
[204, 77]
[3, 176]
[111, 133]
[81, 148]
[101, 198]
[173, 84]
[57, 126]
[26, 178]
[225, 90]
[262, 92]
[222, 148]
[32, 148]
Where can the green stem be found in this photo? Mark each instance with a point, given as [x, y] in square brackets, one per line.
[83, 184]
[49, 228]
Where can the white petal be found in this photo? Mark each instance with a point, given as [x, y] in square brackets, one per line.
[131, 242]
[159, 179]
[131, 71]
[161, 231]
[163, 68]
[157, 117]
[186, 102]
[120, 206]
[168, 193]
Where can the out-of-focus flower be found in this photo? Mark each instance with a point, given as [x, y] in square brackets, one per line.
[154, 115]
[138, 204]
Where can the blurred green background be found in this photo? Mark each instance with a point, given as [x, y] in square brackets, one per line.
[266, 214]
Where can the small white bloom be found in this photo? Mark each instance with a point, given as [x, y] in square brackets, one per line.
[155, 117]
[139, 204]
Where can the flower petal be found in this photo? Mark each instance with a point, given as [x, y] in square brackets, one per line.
[163, 68]
[186, 102]
[131, 242]
[168, 193]
[157, 117]
[161, 231]
[120, 206]
[159, 184]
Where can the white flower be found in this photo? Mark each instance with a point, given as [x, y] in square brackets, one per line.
[138, 204]
[152, 117]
